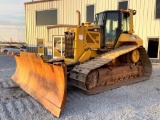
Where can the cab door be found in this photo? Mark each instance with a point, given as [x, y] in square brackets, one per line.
[112, 28]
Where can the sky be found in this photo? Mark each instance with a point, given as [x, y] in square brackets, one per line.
[12, 20]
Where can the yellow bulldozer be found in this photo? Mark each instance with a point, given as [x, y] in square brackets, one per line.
[98, 57]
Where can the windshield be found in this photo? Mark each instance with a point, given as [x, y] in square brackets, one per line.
[125, 22]
[99, 19]
[111, 27]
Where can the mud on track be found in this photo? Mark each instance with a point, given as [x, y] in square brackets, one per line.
[137, 101]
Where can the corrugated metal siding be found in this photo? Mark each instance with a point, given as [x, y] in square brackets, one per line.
[145, 24]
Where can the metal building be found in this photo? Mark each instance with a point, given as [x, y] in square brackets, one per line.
[42, 17]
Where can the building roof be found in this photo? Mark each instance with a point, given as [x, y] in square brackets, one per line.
[40, 1]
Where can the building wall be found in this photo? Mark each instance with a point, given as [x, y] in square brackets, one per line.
[145, 24]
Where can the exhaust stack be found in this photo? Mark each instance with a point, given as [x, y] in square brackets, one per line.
[78, 13]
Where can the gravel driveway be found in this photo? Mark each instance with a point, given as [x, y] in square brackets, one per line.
[135, 102]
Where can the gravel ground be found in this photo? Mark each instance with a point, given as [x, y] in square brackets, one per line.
[138, 101]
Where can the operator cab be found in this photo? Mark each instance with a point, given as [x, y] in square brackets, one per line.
[112, 23]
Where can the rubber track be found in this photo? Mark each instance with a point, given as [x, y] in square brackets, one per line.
[79, 73]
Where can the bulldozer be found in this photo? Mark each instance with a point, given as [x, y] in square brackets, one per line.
[98, 57]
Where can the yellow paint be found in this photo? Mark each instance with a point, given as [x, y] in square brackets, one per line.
[84, 40]
[129, 39]
[85, 56]
[94, 53]
[135, 56]
[130, 11]
[69, 61]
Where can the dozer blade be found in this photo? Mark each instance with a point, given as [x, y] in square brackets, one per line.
[44, 82]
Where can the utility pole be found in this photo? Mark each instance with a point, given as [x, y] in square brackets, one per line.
[18, 34]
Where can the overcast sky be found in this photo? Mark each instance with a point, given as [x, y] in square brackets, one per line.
[12, 20]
